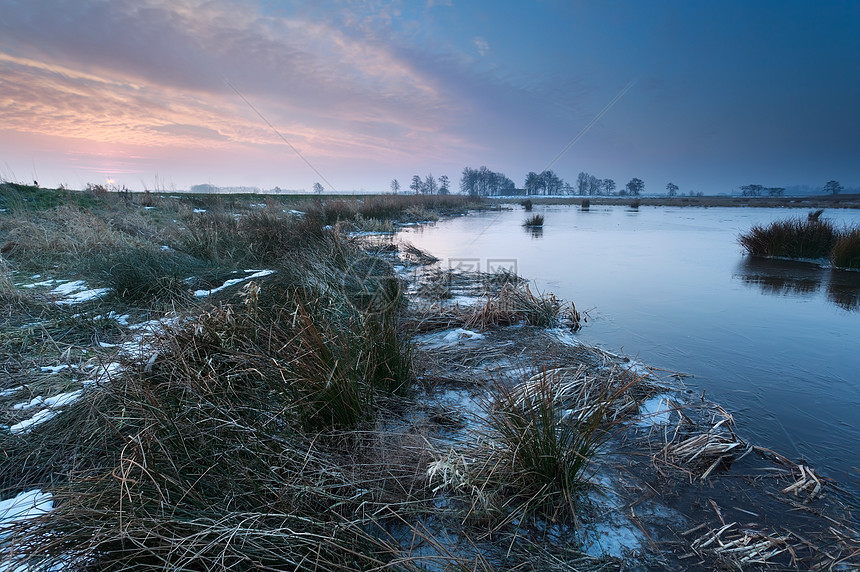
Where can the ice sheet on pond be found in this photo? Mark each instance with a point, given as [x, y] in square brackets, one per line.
[656, 410]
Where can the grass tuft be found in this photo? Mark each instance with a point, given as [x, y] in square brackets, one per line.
[846, 250]
[534, 220]
[791, 238]
[147, 276]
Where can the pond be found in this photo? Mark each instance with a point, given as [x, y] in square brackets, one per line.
[775, 342]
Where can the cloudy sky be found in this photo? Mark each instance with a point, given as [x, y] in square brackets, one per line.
[354, 93]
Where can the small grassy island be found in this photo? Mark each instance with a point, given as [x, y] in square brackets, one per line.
[249, 382]
[809, 238]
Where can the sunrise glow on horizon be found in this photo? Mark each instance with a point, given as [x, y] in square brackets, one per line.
[171, 94]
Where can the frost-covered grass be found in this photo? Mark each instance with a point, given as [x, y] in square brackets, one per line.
[243, 431]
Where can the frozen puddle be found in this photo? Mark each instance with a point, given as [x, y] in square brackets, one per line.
[448, 338]
[655, 410]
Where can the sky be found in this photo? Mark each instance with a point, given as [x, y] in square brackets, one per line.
[354, 93]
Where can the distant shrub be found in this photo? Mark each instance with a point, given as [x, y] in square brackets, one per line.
[586, 204]
[534, 220]
[527, 205]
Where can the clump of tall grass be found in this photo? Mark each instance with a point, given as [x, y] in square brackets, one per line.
[846, 250]
[64, 234]
[225, 446]
[586, 204]
[213, 236]
[541, 437]
[534, 220]
[791, 238]
[515, 303]
[144, 275]
[527, 205]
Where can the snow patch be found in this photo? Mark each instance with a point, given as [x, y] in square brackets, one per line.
[39, 417]
[233, 282]
[52, 403]
[461, 334]
[84, 296]
[199, 210]
[54, 369]
[25, 505]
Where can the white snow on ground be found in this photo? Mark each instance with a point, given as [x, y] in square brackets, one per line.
[69, 287]
[199, 210]
[461, 334]
[39, 417]
[448, 338]
[11, 391]
[297, 213]
[103, 373]
[52, 403]
[26, 505]
[233, 282]
[83, 296]
[42, 283]
[54, 369]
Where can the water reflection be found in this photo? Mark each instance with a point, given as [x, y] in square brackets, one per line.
[534, 231]
[843, 289]
[793, 278]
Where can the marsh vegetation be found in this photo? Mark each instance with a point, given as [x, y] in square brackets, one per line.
[810, 238]
[229, 383]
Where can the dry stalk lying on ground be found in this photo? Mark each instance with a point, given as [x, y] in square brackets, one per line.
[706, 450]
[741, 547]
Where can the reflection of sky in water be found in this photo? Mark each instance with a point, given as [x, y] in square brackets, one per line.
[775, 341]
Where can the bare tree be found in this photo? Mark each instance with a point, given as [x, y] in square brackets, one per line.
[833, 188]
[416, 184]
[671, 189]
[395, 186]
[444, 185]
[607, 186]
[430, 187]
[318, 188]
[635, 187]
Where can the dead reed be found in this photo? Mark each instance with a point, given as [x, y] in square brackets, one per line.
[846, 250]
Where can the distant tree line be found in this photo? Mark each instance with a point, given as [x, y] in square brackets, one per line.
[761, 190]
[485, 183]
[545, 183]
[429, 185]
